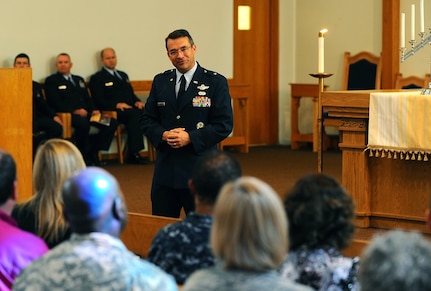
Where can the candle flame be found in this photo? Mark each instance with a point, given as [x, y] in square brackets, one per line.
[322, 32]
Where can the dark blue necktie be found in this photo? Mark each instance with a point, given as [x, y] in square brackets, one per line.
[182, 87]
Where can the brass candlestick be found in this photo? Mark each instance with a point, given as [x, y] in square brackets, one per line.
[321, 77]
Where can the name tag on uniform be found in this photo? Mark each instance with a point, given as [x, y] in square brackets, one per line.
[161, 104]
[109, 84]
[62, 87]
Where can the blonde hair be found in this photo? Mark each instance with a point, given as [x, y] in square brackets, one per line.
[250, 229]
[56, 160]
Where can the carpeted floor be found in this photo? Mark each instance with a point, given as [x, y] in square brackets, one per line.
[279, 166]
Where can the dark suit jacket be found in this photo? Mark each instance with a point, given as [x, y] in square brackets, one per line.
[65, 97]
[205, 111]
[108, 90]
[40, 107]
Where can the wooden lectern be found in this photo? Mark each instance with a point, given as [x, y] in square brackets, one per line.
[16, 119]
[389, 193]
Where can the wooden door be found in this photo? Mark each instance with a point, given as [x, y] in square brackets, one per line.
[256, 64]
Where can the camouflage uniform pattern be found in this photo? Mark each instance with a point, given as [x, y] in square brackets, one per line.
[94, 261]
[183, 247]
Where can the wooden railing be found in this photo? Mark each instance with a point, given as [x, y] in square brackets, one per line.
[141, 230]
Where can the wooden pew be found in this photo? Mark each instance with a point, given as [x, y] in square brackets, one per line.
[141, 229]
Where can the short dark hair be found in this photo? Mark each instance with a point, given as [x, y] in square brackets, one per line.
[320, 213]
[22, 55]
[177, 34]
[63, 54]
[211, 171]
[7, 176]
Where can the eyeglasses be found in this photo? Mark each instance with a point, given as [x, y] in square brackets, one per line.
[176, 52]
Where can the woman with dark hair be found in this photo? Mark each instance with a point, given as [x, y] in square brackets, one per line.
[321, 213]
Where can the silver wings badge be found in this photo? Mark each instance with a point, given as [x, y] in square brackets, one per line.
[203, 87]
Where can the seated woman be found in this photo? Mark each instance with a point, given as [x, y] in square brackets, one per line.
[249, 240]
[42, 214]
[321, 214]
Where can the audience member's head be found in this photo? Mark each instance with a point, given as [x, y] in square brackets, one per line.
[320, 213]
[21, 61]
[396, 260]
[17, 247]
[210, 173]
[56, 160]
[250, 226]
[93, 202]
[8, 182]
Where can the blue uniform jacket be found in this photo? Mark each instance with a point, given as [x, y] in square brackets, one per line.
[205, 111]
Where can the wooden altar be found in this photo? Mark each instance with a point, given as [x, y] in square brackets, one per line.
[389, 193]
[16, 120]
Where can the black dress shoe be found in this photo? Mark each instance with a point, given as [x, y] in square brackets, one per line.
[137, 159]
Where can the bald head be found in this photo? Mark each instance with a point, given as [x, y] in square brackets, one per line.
[109, 58]
[93, 202]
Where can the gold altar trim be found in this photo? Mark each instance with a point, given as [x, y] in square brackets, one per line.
[400, 125]
[402, 154]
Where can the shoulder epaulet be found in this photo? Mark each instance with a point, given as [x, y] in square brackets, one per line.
[210, 73]
[168, 71]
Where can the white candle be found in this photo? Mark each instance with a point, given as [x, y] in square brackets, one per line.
[422, 16]
[321, 55]
[403, 30]
[321, 51]
[412, 24]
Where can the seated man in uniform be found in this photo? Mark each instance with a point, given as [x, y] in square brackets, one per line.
[45, 118]
[112, 91]
[69, 93]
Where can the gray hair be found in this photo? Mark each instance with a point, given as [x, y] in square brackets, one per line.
[250, 227]
[397, 260]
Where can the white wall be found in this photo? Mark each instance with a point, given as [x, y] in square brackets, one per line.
[136, 29]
